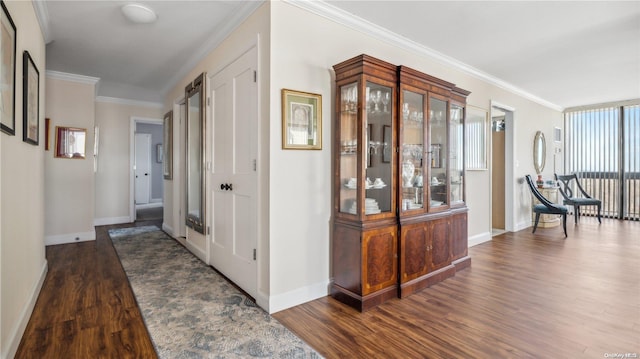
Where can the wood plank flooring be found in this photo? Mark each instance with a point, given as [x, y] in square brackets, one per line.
[86, 308]
[524, 296]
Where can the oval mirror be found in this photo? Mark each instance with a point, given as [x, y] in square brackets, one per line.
[539, 152]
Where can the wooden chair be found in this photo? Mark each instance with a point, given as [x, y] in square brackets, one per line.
[583, 199]
[546, 207]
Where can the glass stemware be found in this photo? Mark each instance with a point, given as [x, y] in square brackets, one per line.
[385, 101]
[377, 98]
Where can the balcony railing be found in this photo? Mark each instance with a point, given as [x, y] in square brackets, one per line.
[606, 186]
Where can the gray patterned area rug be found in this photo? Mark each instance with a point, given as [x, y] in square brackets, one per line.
[193, 312]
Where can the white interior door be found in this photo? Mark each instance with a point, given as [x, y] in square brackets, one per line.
[233, 178]
[142, 168]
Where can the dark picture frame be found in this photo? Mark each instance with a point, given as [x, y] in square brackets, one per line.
[30, 100]
[167, 148]
[7, 78]
[47, 134]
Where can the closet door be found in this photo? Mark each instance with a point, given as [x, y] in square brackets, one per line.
[233, 179]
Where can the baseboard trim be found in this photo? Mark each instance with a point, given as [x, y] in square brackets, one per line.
[168, 229]
[25, 315]
[298, 296]
[201, 254]
[111, 220]
[149, 205]
[522, 225]
[70, 238]
[479, 238]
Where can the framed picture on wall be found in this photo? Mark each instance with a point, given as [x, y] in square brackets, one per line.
[30, 100]
[301, 120]
[8, 73]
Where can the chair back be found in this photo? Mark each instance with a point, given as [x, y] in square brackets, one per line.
[537, 193]
[566, 186]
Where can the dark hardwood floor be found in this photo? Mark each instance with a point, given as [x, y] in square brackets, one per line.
[86, 308]
[531, 296]
[524, 296]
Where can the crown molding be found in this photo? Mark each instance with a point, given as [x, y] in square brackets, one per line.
[631, 102]
[342, 17]
[87, 80]
[42, 13]
[127, 102]
[219, 34]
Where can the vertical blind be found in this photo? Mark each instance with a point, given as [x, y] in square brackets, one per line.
[601, 146]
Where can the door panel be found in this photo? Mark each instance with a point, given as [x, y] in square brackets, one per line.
[233, 179]
[414, 251]
[379, 250]
[143, 168]
[440, 244]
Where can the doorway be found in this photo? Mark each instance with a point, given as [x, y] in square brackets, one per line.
[502, 168]
[146, 173]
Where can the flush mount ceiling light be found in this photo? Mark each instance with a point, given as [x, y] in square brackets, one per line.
[139, 14]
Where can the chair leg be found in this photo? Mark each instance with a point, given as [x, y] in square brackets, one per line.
[599, 216]
[576, 213]
[564, 224]
[535, 225]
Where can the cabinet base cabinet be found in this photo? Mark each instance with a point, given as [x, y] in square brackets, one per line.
[365, 263]
[425, 253]
[459, 240]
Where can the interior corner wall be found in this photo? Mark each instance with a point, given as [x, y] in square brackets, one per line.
[23, 264]
[253, 31]
[70, 185]
[112, 176]
[304, 47]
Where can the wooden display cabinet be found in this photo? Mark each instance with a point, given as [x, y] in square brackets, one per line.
[432, 215]
[399, 219]
[365, 231]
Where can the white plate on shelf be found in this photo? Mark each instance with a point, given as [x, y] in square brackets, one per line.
[435, 203]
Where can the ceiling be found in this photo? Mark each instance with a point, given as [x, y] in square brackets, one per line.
[563, 53]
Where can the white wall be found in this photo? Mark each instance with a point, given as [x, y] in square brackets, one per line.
[70, 185]
[113, 119]
[253, 32]
[297, 51]
[22, 189]
[304, 48]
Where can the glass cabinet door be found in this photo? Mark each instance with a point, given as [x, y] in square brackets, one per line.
[348, 162]
[378, 140]
[456, 158]
[412, 151]
[438, 152]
